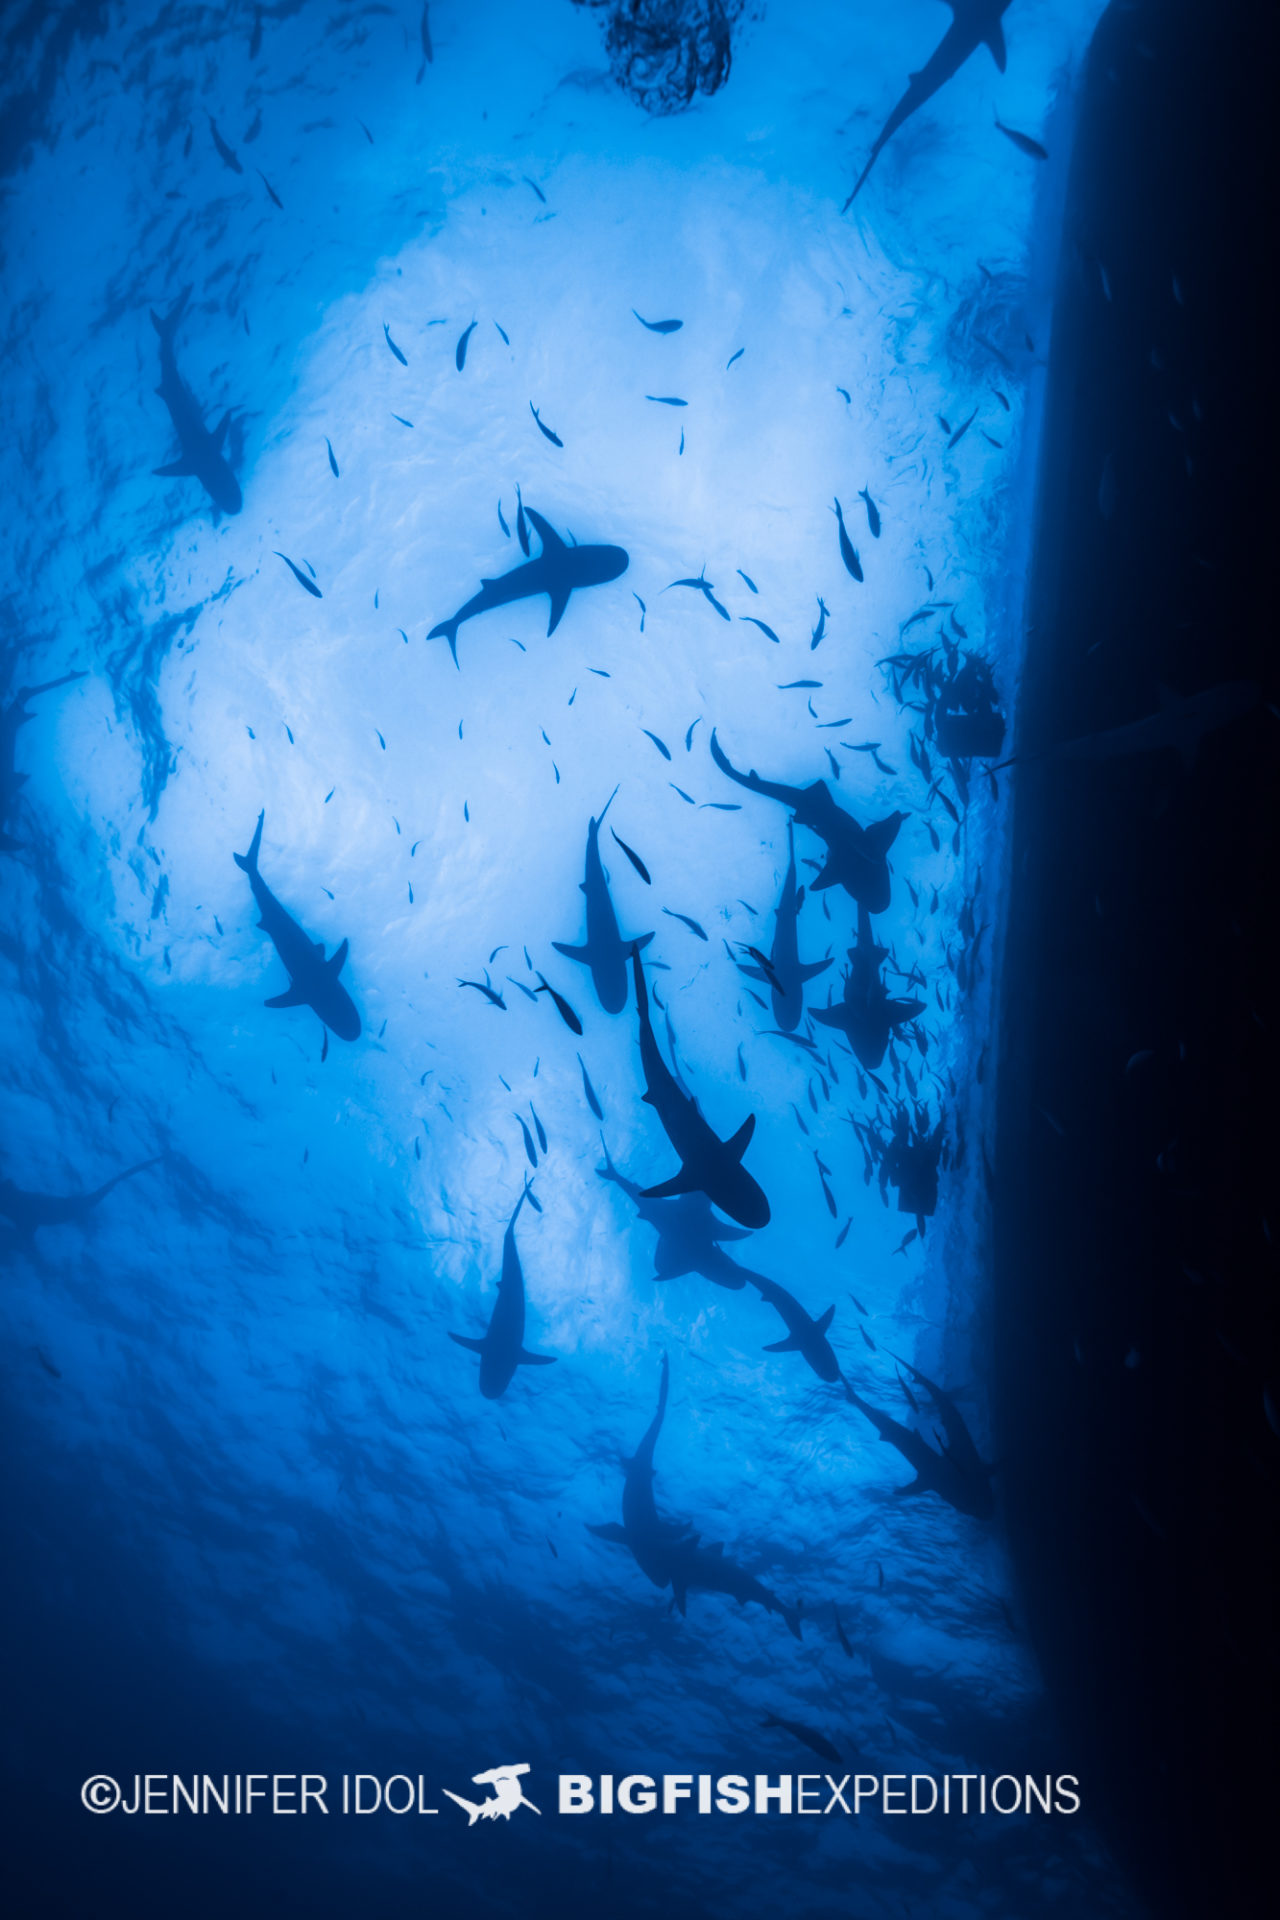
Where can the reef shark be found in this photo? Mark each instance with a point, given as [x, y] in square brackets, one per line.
[558, 570]
[668, 1551]
[956, 1473]
[689, 1234]
[708, 1164]
[29, 1211]
[605, 951]
[804, 1334]
[974, 23]
[313, 980]
[201, 455]
[787, 974]
[502, 1348]
[867, 1014]
[15, 715]
[857, 856]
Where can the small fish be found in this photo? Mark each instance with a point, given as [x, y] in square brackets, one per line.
[1023, 142]
[750, 582]
[840, 1632]
[815, 638]
[766, 630]
[255, 39]
[848, 552]
[299, 575]
[635, 860]
[225, 154]
[365, 131]
[545, 431]
[333, 462]
[680, 448]
[643, 609]
[666, 400]
[490, 992]
[845, 395]
[394, 348]
[962, 429]
[691, 924]
[719, 806]
[661, 745]
[659, 326]
[563, 1008]
[873, 512]
[590, 1092]
[460, 351]
[732, 357]
[683, 795]
[502, 521]
[742, 1065]
[531, 1152]
[270, 189]
[47, 1364]
[843, 1235]
[428, 54]
[522, 524]
[528, 993]
[906, 1240]
[551, 1543]
[506, 337]
[538, 1128]
[867, 1341]
[536, 188]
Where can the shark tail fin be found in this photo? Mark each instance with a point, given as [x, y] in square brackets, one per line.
[469, 1807]
[824, 1321]
[447, 630]
[295, 997]
[789, 1345]
[536, 1359]
[995, 40]
[738, 1143]
[463, 1340]
[248, 862]
[682, 1182]
[338, 959]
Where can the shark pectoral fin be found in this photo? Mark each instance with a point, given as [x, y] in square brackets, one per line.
[789, 1345]
[741, 1140]
[295, 997]
[173, 471]
[682, 1182]
[339, 959]
[825, 1321]
[582, 954]
[821, 881]
[814, 968]
[609, 1531]
[881, 834]
[221, 433]
[536, 1359]
[462, 1340]
[641, 941]
[559, 601]
[828, 1016]
[995, 40]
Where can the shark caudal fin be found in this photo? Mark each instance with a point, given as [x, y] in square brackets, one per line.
[464, 1340]
[167, 327]
[248, 862]
[469, 1807]
[447, 630]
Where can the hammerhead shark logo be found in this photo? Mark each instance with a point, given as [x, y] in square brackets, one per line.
[507, 1795]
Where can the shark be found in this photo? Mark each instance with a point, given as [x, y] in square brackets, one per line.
[502, 1349]
[974, 23]
[1180, 723]
[788, 974]
[804, 1334]
[955, 1472]
[867, 1014]
[508, 1794]
[13, 717]
[30, 1211]
[669, 1552]
[708, 1164]
[690, 1234]
[313, 980]
[201, 456]
[558, 571]
[857, 856]
[605, 951]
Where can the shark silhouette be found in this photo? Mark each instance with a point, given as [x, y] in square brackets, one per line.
[804, 1334]
[605, 951]
[313, 980]
[857, 856]
[689, 1234]
[14, 716]
[502, 1348]
[867, 1015]
[201, 455]
[557, 571]
[30, 1211]
[668, 1551]
[507, 1795]
[956, 1473]
[787, 974]
[708, 1164]
[974, 23]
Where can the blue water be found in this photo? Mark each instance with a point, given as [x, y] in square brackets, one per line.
[236, 1369]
